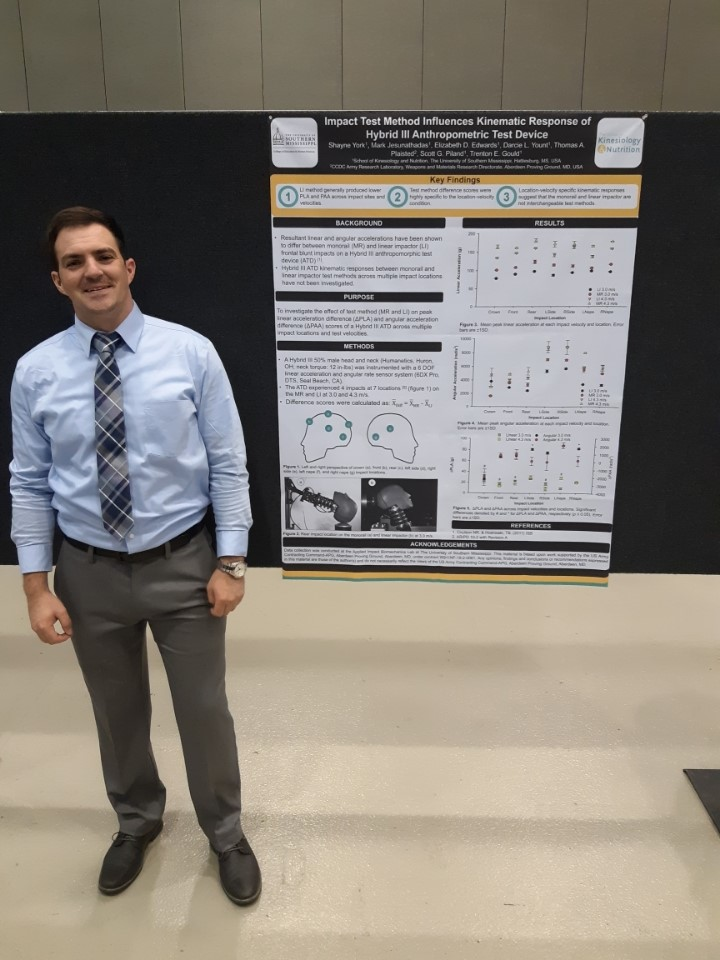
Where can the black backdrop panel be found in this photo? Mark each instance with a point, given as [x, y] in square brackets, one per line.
[192, 194]
[667, 509]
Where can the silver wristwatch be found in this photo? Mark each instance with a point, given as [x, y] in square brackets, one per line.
[235, 569]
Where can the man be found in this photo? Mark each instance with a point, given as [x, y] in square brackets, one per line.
[125, 427]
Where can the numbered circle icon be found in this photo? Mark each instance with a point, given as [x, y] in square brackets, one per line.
[288, 196]
[506, 196]
[397, 196]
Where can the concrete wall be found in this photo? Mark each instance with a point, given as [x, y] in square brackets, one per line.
[359, 54]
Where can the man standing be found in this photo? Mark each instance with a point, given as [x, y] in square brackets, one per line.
[125, 427]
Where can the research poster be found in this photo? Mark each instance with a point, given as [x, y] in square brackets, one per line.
[452, 299]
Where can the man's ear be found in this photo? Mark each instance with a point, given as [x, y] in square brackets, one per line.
[130, 266]
[58, 282]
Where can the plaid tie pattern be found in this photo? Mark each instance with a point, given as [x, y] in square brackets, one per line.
[113, 477]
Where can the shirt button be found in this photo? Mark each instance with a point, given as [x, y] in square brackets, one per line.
[131, 536]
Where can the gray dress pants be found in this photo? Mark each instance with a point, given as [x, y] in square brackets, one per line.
[111, 602]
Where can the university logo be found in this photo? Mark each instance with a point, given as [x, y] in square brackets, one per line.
[294, 142]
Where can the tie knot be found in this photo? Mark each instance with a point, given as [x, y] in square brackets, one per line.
[106, 343]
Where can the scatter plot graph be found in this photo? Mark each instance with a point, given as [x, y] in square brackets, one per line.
[507, 462]
[566, 267]
[548, 371]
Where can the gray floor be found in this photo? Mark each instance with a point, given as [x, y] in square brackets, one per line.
[430, 770]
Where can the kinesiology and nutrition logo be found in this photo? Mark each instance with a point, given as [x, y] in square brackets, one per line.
[619, 142]
[294, 142]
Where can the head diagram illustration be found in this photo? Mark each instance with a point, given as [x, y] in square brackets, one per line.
[395, 433]
[323, 432]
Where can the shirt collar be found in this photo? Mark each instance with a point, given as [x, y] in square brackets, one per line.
[130, 330]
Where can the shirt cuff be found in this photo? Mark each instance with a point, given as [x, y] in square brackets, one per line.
[231, 543]
[35, 558]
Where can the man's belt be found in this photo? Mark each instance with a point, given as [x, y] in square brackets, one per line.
[164, 550]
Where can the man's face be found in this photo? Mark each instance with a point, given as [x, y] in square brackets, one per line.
[93, 274]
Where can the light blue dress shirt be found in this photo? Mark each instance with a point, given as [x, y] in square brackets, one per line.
[184, 441]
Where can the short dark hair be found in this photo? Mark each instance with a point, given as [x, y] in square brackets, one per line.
[80, 217]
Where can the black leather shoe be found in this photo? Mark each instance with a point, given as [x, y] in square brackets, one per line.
[240, 873]
[124, 860]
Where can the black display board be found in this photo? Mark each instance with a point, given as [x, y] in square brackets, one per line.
[191, 191]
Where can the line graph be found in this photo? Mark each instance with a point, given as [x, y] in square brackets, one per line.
[537, 370]
[538, 462]
[564, 267]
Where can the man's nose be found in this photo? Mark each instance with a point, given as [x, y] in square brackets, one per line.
[92, 267]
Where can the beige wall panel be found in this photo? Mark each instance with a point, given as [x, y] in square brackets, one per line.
[463, 54]
[692, 68]
[13, 88]
[222, 54]
[302, 54]
[63, 55]
[143, 54]
[544, 54]
[625, 54]
[382, 54]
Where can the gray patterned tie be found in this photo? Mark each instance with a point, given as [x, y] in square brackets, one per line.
[113, 477]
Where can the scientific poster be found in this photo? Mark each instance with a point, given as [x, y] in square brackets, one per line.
[452, 299]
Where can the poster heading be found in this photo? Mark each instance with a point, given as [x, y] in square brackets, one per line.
[481, 127]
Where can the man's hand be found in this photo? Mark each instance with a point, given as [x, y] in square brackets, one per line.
[45, 610]
[224, 593]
